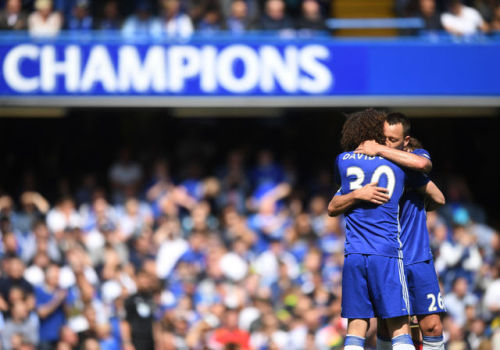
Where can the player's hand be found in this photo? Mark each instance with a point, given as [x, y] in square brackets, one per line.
[370, 148]
[373, 194]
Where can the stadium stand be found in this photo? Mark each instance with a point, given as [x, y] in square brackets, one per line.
[123, 229]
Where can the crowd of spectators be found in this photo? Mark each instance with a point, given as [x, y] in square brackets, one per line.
[165, 18]
[457, 17]
[176, 18]
[235, 259]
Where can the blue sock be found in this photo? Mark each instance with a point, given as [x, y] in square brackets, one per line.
[432, 343]
[402, 342]
[353, 342]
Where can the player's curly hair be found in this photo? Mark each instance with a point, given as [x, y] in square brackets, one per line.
[363, 126]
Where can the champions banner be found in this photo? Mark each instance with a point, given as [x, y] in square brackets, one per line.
[248, 68]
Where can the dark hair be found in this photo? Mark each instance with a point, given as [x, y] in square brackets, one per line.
[400, 118]
[451, 3]
[363, 126]
[414, 144]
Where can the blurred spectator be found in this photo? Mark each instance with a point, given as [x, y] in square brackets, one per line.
[33, 207]
[457, 301]
[229, 335]
[134, 219]
[44, 22]
[311, 20]
[65, 7]
[462, 20]
[50, 299]
[275, 17]
[14, 280]
[40, 241]
[171, 247]
[12, 17]
[492, 294]
[459, 257]
[495, 23]
[139, 315]
[211, 21]
[238, 21]
[111, 16]
[63, 217]
[125, 174]
[233, 182]
[80, 18]
[20, 323]
[175, 22]
[427, 10]
[141, 23]
[486, 8]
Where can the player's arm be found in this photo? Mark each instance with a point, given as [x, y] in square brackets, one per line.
[402, 158]
[434, 198]
[340, 203]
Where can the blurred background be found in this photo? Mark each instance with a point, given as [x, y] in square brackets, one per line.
[166, 165]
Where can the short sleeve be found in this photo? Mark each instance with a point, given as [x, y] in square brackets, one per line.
[416, 179]
[422, 152]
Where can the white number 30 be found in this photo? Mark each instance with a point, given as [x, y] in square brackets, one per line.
[359, 177]
[433, 306]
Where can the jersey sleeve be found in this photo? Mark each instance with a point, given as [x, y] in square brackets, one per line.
[422, 152]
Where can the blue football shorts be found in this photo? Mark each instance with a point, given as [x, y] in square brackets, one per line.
[423, 288]
[374, 286]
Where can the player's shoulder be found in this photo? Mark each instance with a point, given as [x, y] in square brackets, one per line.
[344, 156]
[422, 152]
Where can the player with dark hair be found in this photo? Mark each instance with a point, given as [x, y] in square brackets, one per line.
[373, 278]
[423, 285]
[425, 295]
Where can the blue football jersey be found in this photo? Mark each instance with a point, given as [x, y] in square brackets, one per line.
[370, 228]
[413, 219]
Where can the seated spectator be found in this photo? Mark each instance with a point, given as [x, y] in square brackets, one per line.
[14, 280]
[457, 301]
[80, 18]
[275, 17]
[311, 18]
[428, 12]
[65, 7]
[211, 21]
[486, 8]
[111, 19]
[229, 334]
[142, 23]
[238, 21]
[495, 23]
[175, 22]
[63, 216]
[462, 20]
[44, 22]
[20, 323]
[12, 17]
